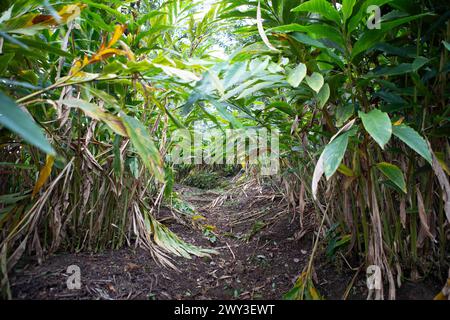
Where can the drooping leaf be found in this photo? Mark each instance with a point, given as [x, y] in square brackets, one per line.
[43, 174]
[347, 8]
[19, 122]
[343, 113]
[393, 173]
[323, 95]
[409, 136]
[322, 7]
[259, 24]
[334, 153]
[95, 112]
[378, 125]
[145, 147]
[320, 166]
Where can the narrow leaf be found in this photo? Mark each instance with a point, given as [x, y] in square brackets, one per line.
[43, 174]
[393, 173]
[413, 140]
[16, 120]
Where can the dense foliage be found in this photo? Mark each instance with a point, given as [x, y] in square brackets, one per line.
[91, 92]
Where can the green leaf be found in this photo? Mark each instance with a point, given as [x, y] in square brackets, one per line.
[409, 136]
[145, 146]
[361, 12]
[334, 153]
[446, 45]
[372, 37]
[402, 68]
[296, 76]
[5, 59]
[303, 38]
[256, 87]
[343, 113]
[393, 173]
[16, 120]
[347, 8]
[234, 74]
[322, 7]
[378, 125]
[323, 95]
[315, 30]
[315, 81]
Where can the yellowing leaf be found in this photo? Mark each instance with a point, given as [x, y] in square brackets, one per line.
[118, 31]
[66, 14]
[441, 159]
[314, 293]
[399, 121]
[104, 52]
[95, 112]
[43, 174]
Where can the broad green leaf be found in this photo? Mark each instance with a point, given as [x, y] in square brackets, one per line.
[322, 7]
[319, 168]
[296, 76]
[378, 125]
[334, 153]
[361, 12]
[347, 8]
[315, 81]
[303, 38]
[372, 37]
[19, 122]
[393, 173]
[343, 113]
[323, 95]
[409, 136]
[402, 68]
[315, 30]
[144, 145]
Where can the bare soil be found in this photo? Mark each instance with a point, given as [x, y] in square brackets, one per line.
[262, 249]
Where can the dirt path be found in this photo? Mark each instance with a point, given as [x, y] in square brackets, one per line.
[261, 252]
[257, 259]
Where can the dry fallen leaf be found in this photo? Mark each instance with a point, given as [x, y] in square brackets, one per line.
[130, 267]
